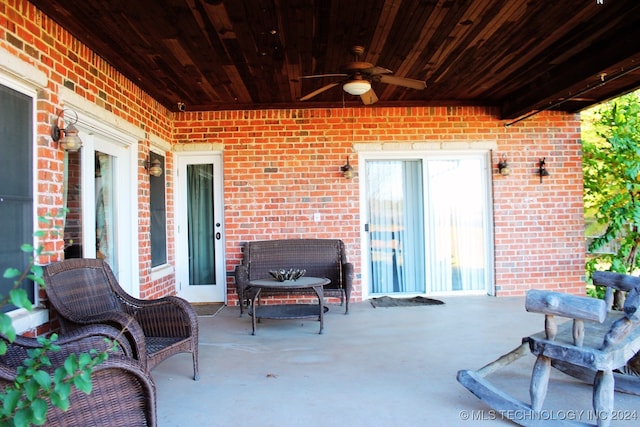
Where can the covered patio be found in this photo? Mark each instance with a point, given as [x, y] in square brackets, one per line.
[374, 367]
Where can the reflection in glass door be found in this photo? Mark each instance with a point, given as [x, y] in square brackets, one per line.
[105, 209]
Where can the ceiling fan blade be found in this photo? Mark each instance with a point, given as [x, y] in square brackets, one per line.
[402, 81]
[375, 70]
[369, 97]
[324, 75]
[319, 91]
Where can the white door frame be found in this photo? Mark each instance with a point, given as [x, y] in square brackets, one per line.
[364, 154]
[201, 293]
[98, 137]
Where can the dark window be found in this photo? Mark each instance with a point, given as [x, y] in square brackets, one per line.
[16, 184]
[158, 215]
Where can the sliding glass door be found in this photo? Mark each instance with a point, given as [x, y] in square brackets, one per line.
[427, 225]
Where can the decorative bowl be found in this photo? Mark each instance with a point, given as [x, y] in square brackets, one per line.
[291, 274]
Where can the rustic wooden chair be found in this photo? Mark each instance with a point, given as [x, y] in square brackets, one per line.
[599, 346]
[123, 393]
[85, 291]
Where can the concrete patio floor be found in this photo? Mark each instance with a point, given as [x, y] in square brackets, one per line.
[374, 367]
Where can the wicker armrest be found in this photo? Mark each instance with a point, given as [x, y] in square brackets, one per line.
[189, 315]
[101, 338]
[80, 340]
[129, 327]
[103, 332]
[162, 317]
[167, 317]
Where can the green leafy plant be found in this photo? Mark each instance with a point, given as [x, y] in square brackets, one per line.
[18, 296]
[25, 402]
[611, 167]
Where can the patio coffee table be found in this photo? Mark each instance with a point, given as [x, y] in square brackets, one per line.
[288, 311]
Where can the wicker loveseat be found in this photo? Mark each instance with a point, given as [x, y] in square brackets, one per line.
[320, 257]
[123, 392]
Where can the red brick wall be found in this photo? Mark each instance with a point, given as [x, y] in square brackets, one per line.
[281, 166]
[31, 37]
[539, 227]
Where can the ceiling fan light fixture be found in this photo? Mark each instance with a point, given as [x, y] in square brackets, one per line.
[357, 87]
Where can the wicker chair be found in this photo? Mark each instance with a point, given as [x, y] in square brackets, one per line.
[85, 291]
[123, 392]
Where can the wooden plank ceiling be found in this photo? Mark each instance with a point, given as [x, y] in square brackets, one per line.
[521, 56]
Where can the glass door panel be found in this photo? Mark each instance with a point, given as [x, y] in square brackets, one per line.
[202, 267]
[105, 222]
[457, 223]
[395, 226]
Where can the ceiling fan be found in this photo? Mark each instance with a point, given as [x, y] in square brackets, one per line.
[357, 77]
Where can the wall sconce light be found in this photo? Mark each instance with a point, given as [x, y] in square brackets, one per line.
[68, 137]
[503, 166]
[542, 170]
[153, 167]
[347, 170]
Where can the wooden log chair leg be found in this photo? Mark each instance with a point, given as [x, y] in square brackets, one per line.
[603, 395]
[539, 382]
